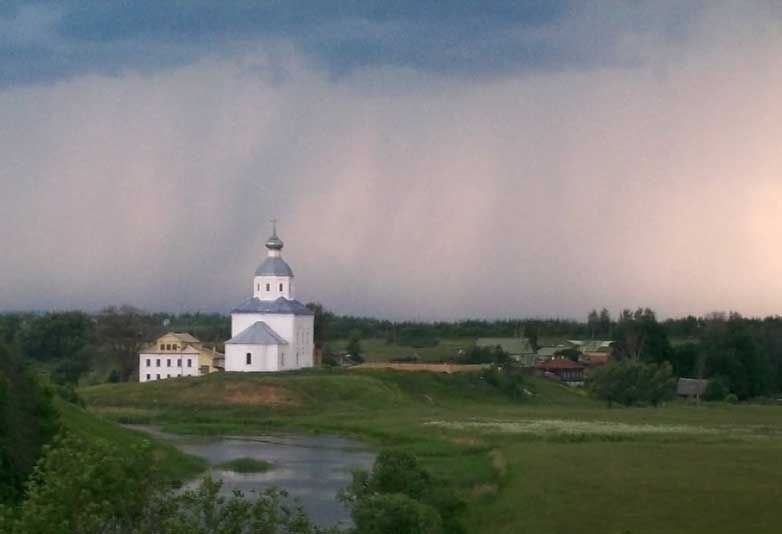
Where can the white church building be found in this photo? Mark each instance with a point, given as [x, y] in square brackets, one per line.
[272, 331]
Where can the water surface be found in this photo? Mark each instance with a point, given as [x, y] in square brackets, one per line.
[311, 468]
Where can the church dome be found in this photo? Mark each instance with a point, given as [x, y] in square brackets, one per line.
[274, 242]
[274, 266]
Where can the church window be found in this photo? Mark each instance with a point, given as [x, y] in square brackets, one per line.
[168, 346]
[162, 346]
[157, 362]
[149, 362]
[168, 362]
[179, 363]
[189, 362]
[175, 346]
[148, 375]
[268, 287]
[280, 287]
[249, 358]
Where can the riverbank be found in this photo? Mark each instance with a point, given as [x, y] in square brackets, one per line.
[558, 462]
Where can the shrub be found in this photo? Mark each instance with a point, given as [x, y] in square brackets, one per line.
[716, 390]
[630, 382]
[731, 398]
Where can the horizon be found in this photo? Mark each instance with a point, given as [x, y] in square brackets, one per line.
[426, 162]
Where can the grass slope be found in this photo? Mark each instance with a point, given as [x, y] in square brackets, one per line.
[175, 466]
[560, 462]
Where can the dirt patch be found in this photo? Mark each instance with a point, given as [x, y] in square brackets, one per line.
[258, 395]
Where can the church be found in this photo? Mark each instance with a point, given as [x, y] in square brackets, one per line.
[271, 331]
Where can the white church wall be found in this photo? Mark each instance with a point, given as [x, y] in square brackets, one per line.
[263, 358]
[272, 287]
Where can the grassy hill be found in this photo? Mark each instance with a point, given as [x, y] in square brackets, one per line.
[175, 465]
[558, 462]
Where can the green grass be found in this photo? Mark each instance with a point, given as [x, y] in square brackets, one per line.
[559, 462]
[175, 466]
[246, 465]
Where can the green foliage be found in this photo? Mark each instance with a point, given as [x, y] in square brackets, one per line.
[122, 332]
[640, 337]
[716, 390]
[28, 421]
[246, 465]
[399, 496]
[56, 336]
[395, 514]
[631, 383]
[93, 487]
[87, 487]
[733, 353]
[478, 355]
[508, 379]
[355, 349]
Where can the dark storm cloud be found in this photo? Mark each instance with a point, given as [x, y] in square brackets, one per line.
[637, 163]
[47, 41]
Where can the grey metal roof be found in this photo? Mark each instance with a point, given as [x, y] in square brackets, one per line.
[273, 267]
[259, 333]
[281, 305]
[691, 386]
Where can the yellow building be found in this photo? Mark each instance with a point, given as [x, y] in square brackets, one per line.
[177, 354]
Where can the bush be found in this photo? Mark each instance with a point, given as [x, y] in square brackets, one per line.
[716, 390]
[400, 497]
[630, 383]
[731, 398]
[481, 355]
[508, 379]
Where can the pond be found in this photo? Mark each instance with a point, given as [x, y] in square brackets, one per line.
[310, 467]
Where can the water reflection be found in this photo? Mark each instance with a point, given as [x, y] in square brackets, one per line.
[312, 468]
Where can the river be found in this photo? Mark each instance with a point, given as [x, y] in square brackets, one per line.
[312, 468]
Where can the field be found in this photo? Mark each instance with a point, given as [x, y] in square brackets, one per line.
[558, 462]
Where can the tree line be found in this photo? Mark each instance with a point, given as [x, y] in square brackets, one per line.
[743, 354]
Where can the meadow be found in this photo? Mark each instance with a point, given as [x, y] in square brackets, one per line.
[556, 462]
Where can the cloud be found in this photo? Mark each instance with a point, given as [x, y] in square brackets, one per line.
[406, 192]
[48, 41]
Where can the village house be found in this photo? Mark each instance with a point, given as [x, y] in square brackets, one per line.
[564, 369]
[177, 354]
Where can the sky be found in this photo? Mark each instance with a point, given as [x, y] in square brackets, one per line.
[426, 160]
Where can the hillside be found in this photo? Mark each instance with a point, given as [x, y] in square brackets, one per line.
[557, 462]
[174, 465]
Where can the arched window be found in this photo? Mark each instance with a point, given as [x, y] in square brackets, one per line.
[280, 286]
[268, 287]
[249, 358]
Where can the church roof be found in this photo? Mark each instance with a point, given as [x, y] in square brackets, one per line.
[259, 333]
[272, 266]
[281, 305]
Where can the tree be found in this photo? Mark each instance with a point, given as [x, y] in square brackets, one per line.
[96, 487]
[531, 333]
[56, 336]
[604, 323]
[122, 332]
[733, 353]
[323, 319]
[631, 382]
[593, 323]
[28, 421]
[640, 337]
[400, 497]
[354, 347]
